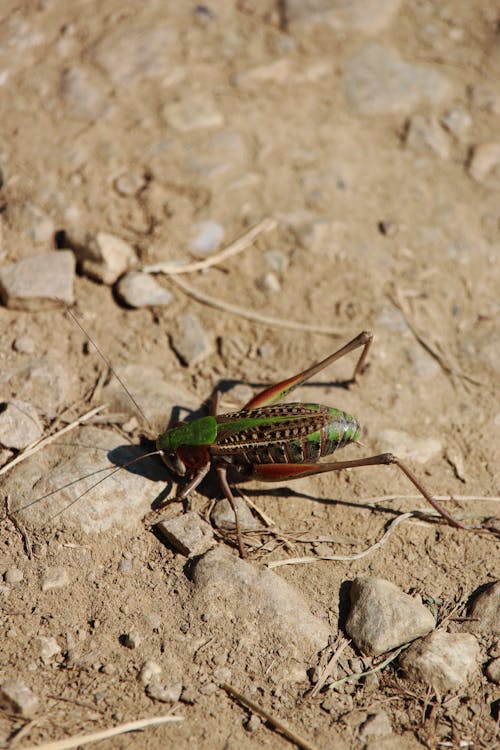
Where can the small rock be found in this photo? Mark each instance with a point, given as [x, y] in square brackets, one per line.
[222, 674]
[484, 165]
[150, 671]
[277, 260]
[377, 81]
[191, 342]
[446, 661]
[126, 566]
[492, 671]
[253, 724]
[187, 533]
[383, 617]
[131, 640]
[407, 447]
[164, 693]
[268, 283]
[49, 648]
[138, 289]
[39, 282]
[195, 112]
[44, 383]
[12, 576]
[18, 699]
[207, 237]
[209, 688]
[457, 122]
[24, 345]
[222, 515]
[130, 183]
[55, 578]
[485, 611]
[19, 425]
[106, 257]
[424, 133]
[189, 695]
[376, 725]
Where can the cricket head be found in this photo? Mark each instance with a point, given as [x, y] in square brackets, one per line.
[184, 448]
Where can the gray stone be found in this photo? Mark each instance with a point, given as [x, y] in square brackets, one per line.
[164, 693]
[190, 340]
[222, 515]
[378, 82]
[425, 134]
[24, 345]
[135, 52]
[268, 283]
[207, 236]
[236, 595]
[131, 640]
[106, 257]
[408, 447]
[55, 578]
[492, 671]
[193, 112]
[130, 183]
[82, 94]
[484, 165]
[17, 698]
[484, 610]
[365, 16]
[188, 533]
[150, 672]
[383, 617]
[39, 282]
[12, 576]
[446, 661]
[120, 502]
[376, 725]
[19, 425]
[142, 290]
[277, 260]
[49, 648]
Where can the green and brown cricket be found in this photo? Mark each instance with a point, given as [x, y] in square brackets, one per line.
[269, 441]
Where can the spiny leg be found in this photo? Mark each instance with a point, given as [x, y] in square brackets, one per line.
[281, 472]
[276, 392]
[155, 516]
[222, 474]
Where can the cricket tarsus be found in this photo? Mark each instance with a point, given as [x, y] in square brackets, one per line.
[276, 443]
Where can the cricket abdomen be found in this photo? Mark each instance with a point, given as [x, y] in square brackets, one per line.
[282, 434]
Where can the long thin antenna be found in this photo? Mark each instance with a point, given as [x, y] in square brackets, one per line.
[110, 366]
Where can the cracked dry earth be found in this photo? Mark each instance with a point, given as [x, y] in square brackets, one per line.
[366, 136]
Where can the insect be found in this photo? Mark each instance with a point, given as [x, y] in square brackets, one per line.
[274, 442]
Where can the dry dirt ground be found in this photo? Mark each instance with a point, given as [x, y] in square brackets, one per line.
[142, 119]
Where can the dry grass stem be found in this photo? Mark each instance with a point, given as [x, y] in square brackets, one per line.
[267, 320]
[276, 723]
[50, 439]
[104, 734]
[441, 498]
[233, 249]
[359, 675]
[332, 663]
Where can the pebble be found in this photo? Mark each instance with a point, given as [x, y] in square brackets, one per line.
[12, 576]
[369, 17]
[130, 184]
[39, 282]
[106, 257]
[484, 610]
[446, 661]
[150, 671]
[164, 693]
[188, 533]
[49, 648]
[195, 112]
[377, 81]
[135, 52]
[277, 260]
[24, 345]
[424, 133]
[376, 725]
[55, 578]
[382, 617]
[126, 566]
[207, 237]
[234, 594]
[253, 724]
[492, 671]
[118, 503]
[19, 425]
[222, 674]
[268, 283]
[16, 698]
[82, 94]
[190, 341]
[457, 122]
[138, 289]
[222, 515]
[484, 165]
[131, 640]
[408, 447]
[44, 383]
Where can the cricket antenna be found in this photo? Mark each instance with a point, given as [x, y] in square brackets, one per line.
[109, 365]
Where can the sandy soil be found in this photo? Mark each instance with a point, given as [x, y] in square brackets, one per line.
[234, 112]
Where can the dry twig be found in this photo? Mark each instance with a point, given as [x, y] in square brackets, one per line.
[332, 663]
[359, 675]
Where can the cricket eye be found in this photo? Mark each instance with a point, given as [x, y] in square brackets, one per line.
[175, 464]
